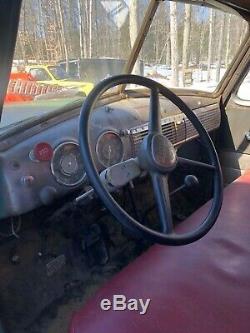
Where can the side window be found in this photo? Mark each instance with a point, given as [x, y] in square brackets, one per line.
[244, 90]
[40, 74]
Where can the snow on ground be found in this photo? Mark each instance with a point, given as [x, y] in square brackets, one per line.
[162, 74]
[244, 91]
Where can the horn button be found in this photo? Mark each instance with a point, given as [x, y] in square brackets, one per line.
[157, 154]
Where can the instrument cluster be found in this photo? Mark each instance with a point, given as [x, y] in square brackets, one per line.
[109, 149]
[67, 165]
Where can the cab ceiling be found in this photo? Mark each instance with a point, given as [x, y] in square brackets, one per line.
[241, 6]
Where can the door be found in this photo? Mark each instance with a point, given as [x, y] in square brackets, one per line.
[235, 137]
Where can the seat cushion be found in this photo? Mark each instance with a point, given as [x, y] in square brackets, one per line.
[203, 287]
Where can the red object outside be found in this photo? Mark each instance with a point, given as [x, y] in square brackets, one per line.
[21, 76]
[22, 87]
[17, 97]
[10, 98]
[43, 151]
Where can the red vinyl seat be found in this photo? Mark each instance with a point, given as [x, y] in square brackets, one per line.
[203, 287]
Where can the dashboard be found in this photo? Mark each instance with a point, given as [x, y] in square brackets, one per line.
[42, 162]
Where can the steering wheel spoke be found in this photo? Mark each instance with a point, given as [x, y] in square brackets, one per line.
[162, 198]
[155, 114]
[186, 161]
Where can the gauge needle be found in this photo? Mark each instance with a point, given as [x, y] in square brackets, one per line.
[109, 155]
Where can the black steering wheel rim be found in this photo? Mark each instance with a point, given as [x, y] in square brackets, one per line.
[121, 215]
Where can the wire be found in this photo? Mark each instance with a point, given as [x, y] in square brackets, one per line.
[14, 230]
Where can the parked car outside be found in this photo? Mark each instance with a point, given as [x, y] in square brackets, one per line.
[56, 75]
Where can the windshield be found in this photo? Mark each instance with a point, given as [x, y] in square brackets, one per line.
[58, 72]
[191, 46]
[65, 47]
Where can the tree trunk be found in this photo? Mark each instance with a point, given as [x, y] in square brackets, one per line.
[79, 8]
[228, 30]
[133, 29]
[244, 29]
[186, 38]
[241, 32]
[157, 41]
[90, 28]
[174, 44]
[60, 12]
[86, 29]
[220, 47]
[168, 52]
[210, 44]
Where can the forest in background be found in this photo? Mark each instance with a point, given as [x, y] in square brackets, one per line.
[181, 34]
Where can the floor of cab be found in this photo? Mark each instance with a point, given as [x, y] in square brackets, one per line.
[35, 299]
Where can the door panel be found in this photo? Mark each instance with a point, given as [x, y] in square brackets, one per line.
[234, 142]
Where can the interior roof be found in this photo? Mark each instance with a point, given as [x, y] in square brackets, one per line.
[240, 4]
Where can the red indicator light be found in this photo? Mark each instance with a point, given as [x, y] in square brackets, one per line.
[43, 151]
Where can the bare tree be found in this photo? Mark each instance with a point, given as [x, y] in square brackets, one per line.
[90, 27]
[63, 36]
[210, 44]
[51, 30]
[228, 31]
[186, 38]
[241, 28]
[174, 44]
[133, 29]
[168, 52]
[80, 23]
[220, 47]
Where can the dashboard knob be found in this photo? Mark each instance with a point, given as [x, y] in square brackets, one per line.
[27, 180]
[48, 195]
[42, 152]
[191, 181]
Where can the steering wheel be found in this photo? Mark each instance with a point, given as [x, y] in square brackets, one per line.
[158, 157]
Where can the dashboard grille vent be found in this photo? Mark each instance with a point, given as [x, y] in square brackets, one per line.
[178, 129]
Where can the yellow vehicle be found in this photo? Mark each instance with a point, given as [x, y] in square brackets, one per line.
[54, 74]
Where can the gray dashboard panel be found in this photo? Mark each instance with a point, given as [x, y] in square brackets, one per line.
[15, 162]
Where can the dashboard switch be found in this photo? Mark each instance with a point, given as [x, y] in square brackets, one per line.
[48, 195]
[27, 180]
[43, 151]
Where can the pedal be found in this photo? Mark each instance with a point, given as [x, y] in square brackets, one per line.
[95, 247]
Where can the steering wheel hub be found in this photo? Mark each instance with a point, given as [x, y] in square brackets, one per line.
[157, 154]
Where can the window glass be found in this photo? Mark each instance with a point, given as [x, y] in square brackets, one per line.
[244, 90]
[58, 72]
[85, 41]
[40, 74]
[81, 42]
[191, 46]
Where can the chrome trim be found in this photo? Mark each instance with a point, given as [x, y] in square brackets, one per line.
[97, 144]
[80, 181]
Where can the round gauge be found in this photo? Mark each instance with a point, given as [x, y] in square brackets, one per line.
[109, 149]
[67, 165]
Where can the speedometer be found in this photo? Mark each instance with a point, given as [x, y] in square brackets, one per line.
[109, 149]
[67, 165]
